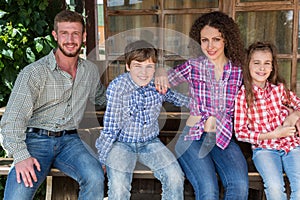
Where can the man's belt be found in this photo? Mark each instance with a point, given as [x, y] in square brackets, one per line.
[51, 133]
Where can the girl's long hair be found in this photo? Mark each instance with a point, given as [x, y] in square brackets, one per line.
[274, 77]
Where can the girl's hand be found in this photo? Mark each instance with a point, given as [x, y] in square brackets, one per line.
[161, 80]
[284, 131]
[292, 119]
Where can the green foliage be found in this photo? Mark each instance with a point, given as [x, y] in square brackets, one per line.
[25, 36]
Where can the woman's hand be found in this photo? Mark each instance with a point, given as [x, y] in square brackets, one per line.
[161, 80]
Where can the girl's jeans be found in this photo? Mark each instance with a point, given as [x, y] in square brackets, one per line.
[229, 164]
[271, 164]
[154, 154]
[68, 154]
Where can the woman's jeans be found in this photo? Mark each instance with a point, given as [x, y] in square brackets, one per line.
[271, 164]
[154, 154]
[68, 154]
[229, 164]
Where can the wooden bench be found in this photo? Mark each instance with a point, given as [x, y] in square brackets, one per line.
[59, 186]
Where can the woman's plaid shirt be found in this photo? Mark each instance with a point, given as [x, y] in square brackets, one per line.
[209, 96]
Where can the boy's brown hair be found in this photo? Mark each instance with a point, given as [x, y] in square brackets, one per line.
[140, 51]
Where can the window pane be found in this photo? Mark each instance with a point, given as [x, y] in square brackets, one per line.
[181, 23]
[299, 34]
[175, 4]
[298, 79]
[118, 24]
[285, 69]
[274, 26]
[131, 4]
[176, 38]
[115, 68]
[261, 0]
[125, 29]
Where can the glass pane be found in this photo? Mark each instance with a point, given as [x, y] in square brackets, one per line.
[299, 35]
[131, 4]
[274, 26]
[181, 23]
[115, 68]
[298, 79]
[125, 29]
[176, 38]
[175, 4]
[261, 0]
[285, 69]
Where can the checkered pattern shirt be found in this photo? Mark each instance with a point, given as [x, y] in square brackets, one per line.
[132, 113]
[266, 114]
[209, 96]
[48, 98]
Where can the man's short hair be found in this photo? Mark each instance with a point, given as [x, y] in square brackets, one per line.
[68, 16]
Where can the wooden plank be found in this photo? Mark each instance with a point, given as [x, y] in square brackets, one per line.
[48, 188]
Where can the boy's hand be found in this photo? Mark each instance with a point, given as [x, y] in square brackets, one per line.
[26, 170]
[104, 168]
[161, 80]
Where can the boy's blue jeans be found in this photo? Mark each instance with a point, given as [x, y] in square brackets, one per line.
[271, 164]
[68, 154]
[230, 164]
[154, 154]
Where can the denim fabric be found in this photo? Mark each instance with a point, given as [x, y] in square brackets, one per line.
[67, 153]
[229, 164]
[271, 164]
[154, 154]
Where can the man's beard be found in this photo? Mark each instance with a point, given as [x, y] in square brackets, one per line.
[69, 54]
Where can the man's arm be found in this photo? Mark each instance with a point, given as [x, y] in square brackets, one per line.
[13, 125]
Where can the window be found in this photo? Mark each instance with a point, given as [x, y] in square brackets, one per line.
[166, 23]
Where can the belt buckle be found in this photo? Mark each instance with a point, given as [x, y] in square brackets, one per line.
[49, 133]
[55, 134]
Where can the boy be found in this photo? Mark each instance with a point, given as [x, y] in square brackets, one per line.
[131, 127]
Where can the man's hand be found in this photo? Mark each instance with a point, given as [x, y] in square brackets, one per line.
[26, 170]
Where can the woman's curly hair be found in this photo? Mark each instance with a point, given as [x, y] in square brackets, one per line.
[234, 46]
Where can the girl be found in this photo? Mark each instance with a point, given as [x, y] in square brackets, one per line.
[261, 118]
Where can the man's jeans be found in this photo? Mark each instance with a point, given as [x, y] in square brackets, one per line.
[68, 154]
[154, 154]
[229, 164]
[271, 164]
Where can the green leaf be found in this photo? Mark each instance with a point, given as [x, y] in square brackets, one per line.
[2, 13]
[39, 46]
[7, 53]
[30, 55]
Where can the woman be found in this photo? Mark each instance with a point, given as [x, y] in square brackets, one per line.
[206, 146]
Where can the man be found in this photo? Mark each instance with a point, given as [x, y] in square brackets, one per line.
[44, 110]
